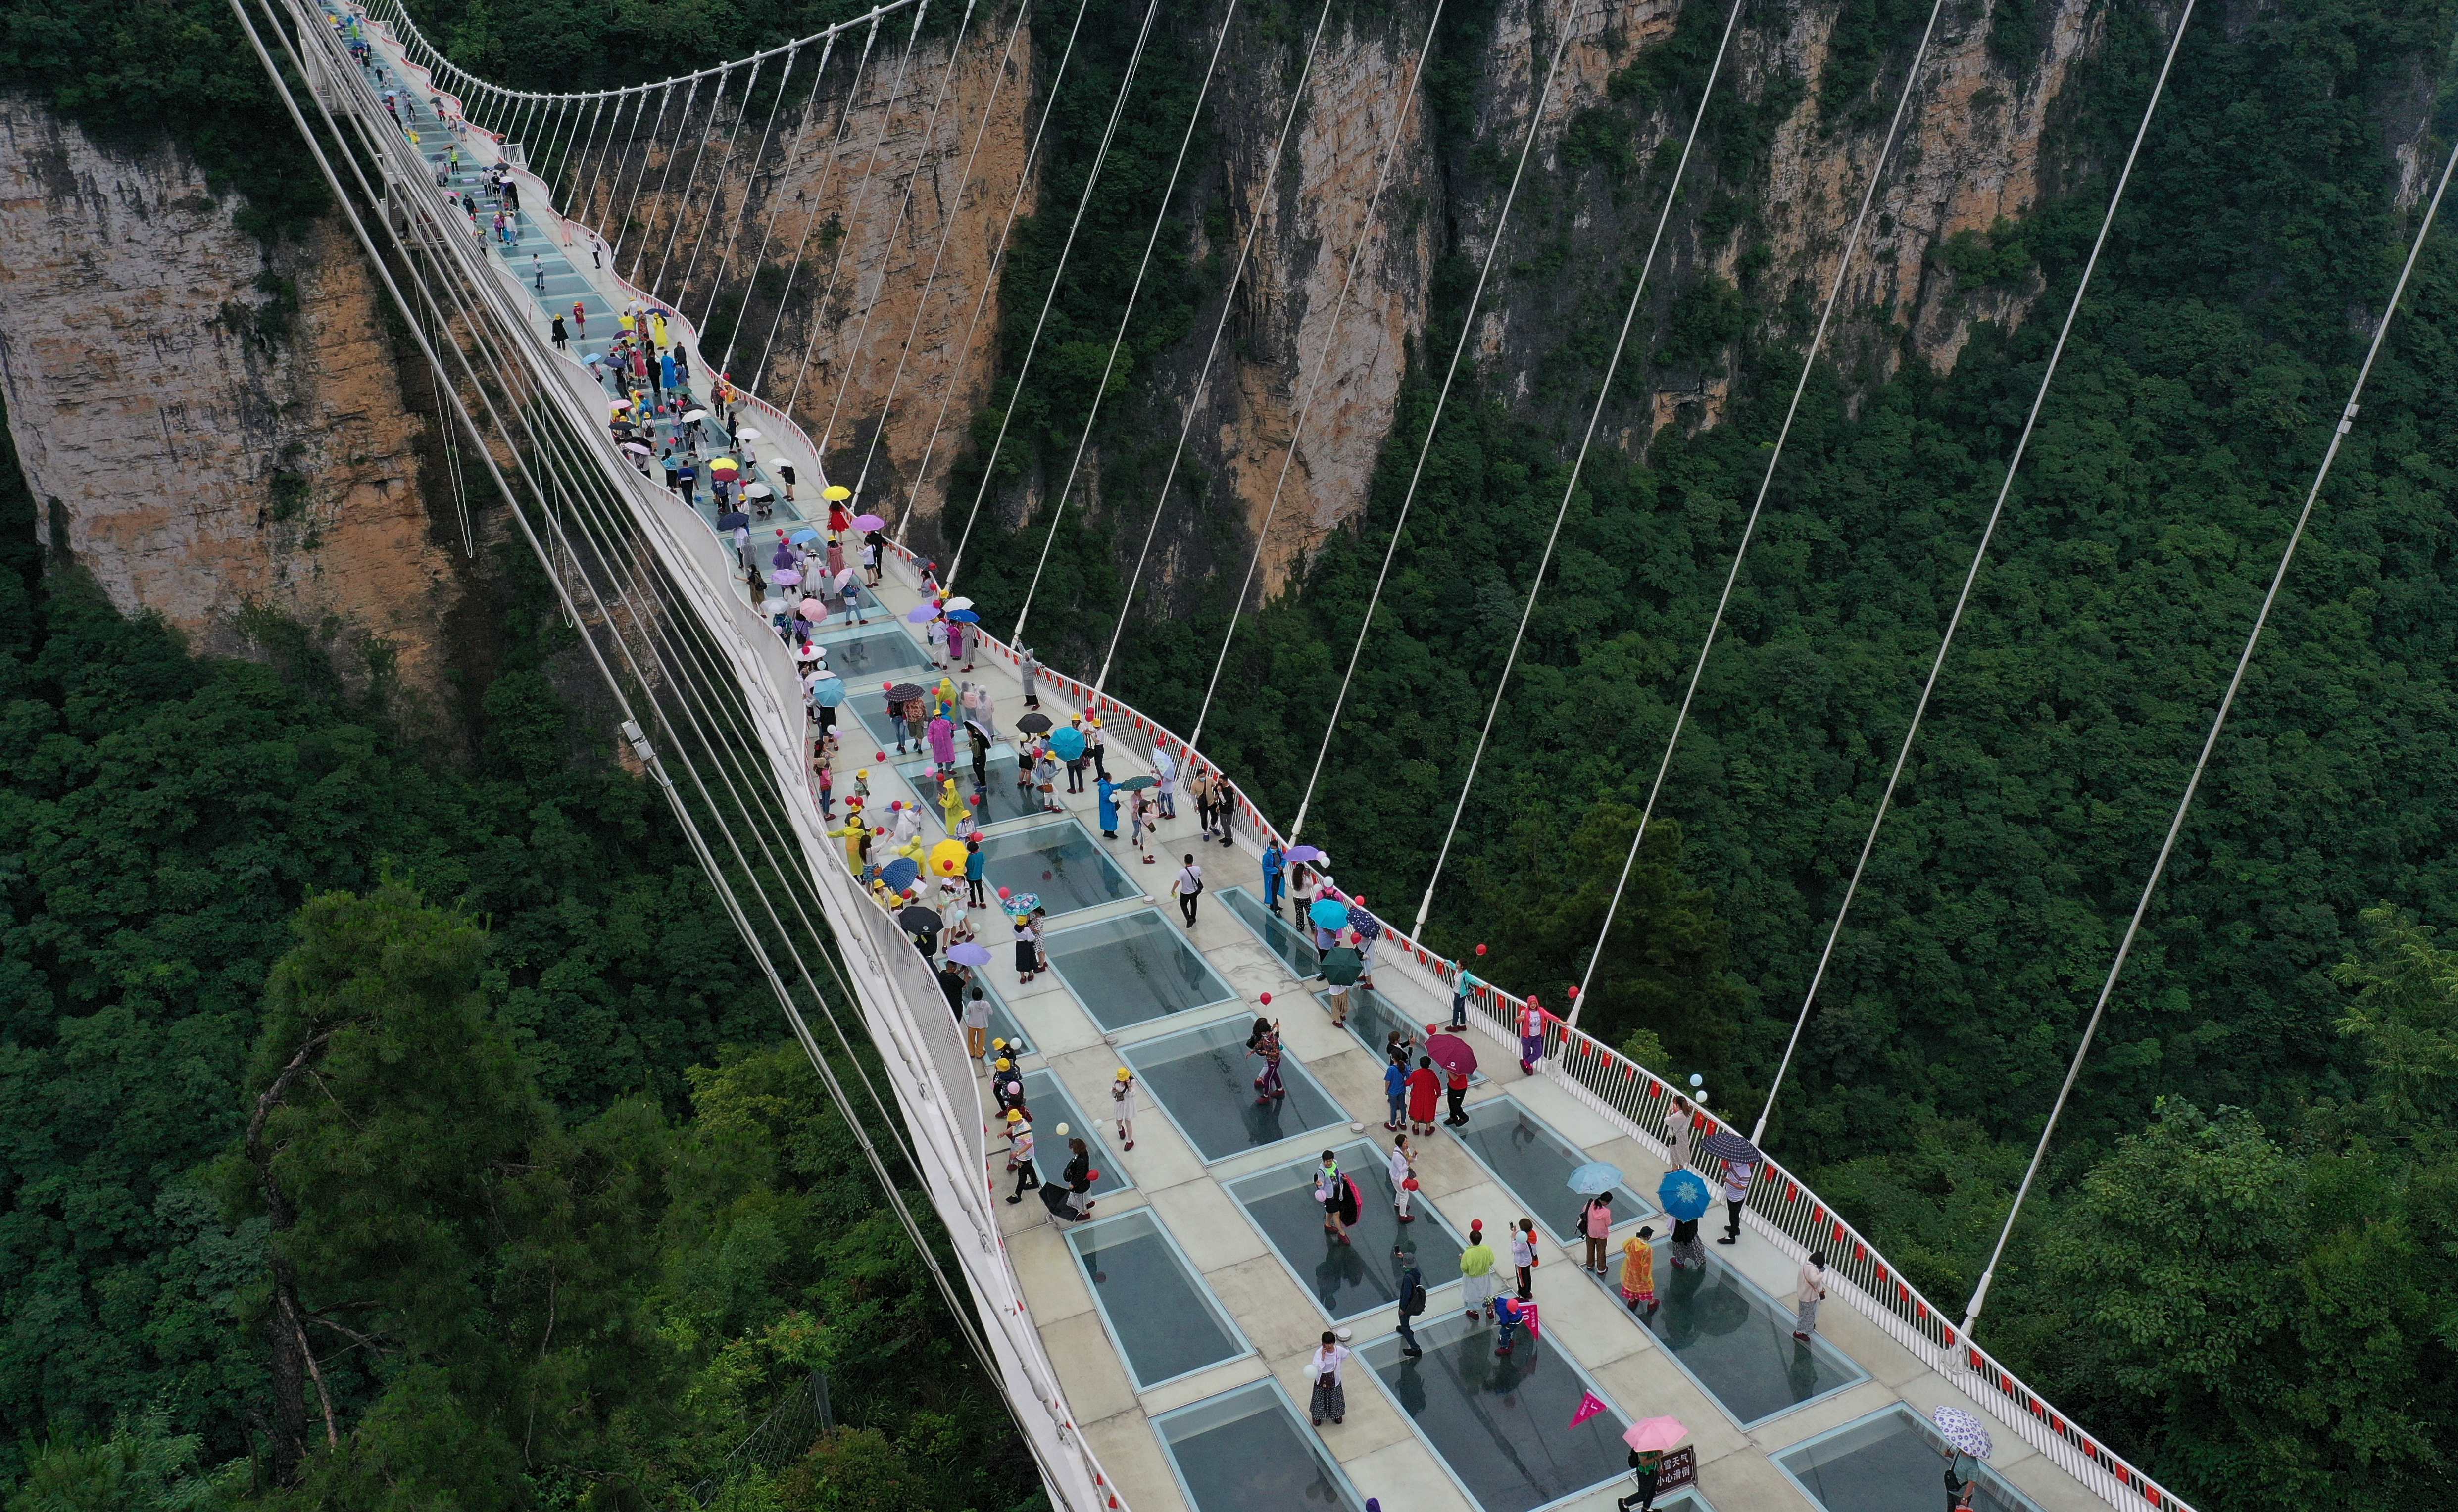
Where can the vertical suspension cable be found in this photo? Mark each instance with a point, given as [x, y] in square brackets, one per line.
[725, 165]
[903, 208]
[665, 176]
[1058, 274]
[1757, 505]
[572, 176]
[777, 198]
[946, 228]
[682, 201]
[2346, 422]
[1135, 291]
[1221, 326]
[818, 199]
[750, 178]
[1561, 511]
[623, 223]
[989, 278]
[1468, 329]
[853, 224]
[612, 153]
[1971, 576]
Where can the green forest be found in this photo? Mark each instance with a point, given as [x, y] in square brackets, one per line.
[2242, 1266]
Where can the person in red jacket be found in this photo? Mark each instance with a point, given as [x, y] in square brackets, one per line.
[1423, 1088]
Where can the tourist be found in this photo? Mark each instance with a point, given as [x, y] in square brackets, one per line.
[1165, 767]
[1476, 1273]
[558, 336]
[1455, 1094]
[1276, 865]
[1812, 1291]
[1638, 1272]
[1225, 806]
[1422, 1087]
[1105, 799]
[1688, 1253]
[1264, 1045]
[1328, 1398]
[975, 875]
[1045, 777]
[1959, 1487]
[1028, 948]
[1199, 787]
[1403, 1166]
[1019, 1155]
[1736, 1193]
[1339, 1197]
[977, 1022]
[1075, 762]
[1395, 1094]
[1510, 1312]
[1644, 1464]
[1078, 1175]
[1189, 887]
[1532, 1034]
[1148, 816]
[1524, 1257]
[1122, 1106]
[1059, 1201]
[1595, 1226]
[1412, 1298]
[1680, 1130]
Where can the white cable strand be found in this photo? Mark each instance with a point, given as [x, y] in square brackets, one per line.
[989, 278]
[1757, 505]
[777, 200]
[683, 201]
[946, 229]
[725, 166]
[665, 176]
[623, 226]
[597, 175]
[853, 225]
[828, 173]
[1134, 292]
[1979, 554]
[1468, 329]
[1058, 274]
[903, 208]
[1561, 511]
[2218, 719]
[742, 205]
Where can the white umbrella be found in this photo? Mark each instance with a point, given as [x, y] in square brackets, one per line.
[695, 414]
[810, 653]
[746, 433]
[756, 491]
[957, 603]
[636, 448]
[1964, 1431]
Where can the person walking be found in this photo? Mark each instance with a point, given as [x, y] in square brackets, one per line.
[1811, 1291]
[1959, 1487]
[1078, 1175]
[1523, 1257]
[1645, 1464]
[1638, 1272]
[941, 733]
[1105, 798]
[1455, 1093]
[558, 336]
[1422, 1087]
[1019, 1155]
[1148, 818]
[1096, 745]
[1028, 947]
[1276, 866]
[1688, 1253]
[1122, 1106]
[1476, 1273]
[975, 876]
[1264, 1043]
[1403, 1165]
[1412, 1298]
[1508, 1311]
[977, 1022]
[1339, 1197]
[1736, 1193]
[1595, 1226]
[537, 272]
[1460, 990]
[1329, 1399]
[1076, 763]
[1199, 787]
[1189, 886]
[1680, 1130]
[1165, 767]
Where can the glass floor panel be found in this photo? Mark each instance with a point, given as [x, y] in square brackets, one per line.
[1887, 1461]
[1204, 1080]
[1159, 1311]
[1735, 1340]
[1050, 1106]
[1357, 1278]
[1498, 1421]
[1133, 970]
[1248, 1450]
[1001, 800]
[1061, 865]
[1279, 936]
[1535, 1163]
[1371, 1019]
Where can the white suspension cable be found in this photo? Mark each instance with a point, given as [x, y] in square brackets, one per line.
[1058, 274]
[946, 229]
[665, 176]
[1561, 511]
[989, 278]
[623, 224]
[588, 141]
[853, 225]
[828, 173]
[1221, 326]
[2346, 423]
[725, 166]
[1979, 554]
[682, 201]
[903, 208]
[602, 178]
[1134, 292]
[1757, 505]
[777, 200]
[742, 204]
[1467, 328]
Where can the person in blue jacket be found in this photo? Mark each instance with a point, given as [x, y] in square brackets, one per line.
[1109, 804]
[1395, 1090]
[1276, 866]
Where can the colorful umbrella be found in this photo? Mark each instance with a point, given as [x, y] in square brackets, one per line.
[969, 954]
[836, 492]
[915, 918]
[1964, 1431]
[805, 533]
[1139, 784]
[813, 609]
[1594, 1178]
[964, 617]
[901, 873]
[786, 575]
[723, 466]
[1328, 913]
[1307, 853]
[746, 433]
[1068, 744]
[1019, 906]
[1366, 925]
[1453, 1054]
[1684, 1194]
[734, 519]
[757, 490]
[921, 613]
[1656, 1435]
[1725, 1145]
[782, 556]
[959, 602]
[828, 692]
[868, 522]
[903, 692]
[691, 416]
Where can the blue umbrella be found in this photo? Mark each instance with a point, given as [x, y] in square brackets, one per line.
[1594, 1178]
[805, 533]
[1068, 743]
[1328, 913]
[1366, 925]
[900, 873]
[828, 692]
[1684, 1194]
[964, 617]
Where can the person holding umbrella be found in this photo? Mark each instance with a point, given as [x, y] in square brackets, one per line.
[1964, 1435]
[1684, 1198]
[1741, 1160]
[1264, 1043]
[1476, 1273]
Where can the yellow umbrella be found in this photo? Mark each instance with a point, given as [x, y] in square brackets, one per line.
[836, 494]
[725, 465]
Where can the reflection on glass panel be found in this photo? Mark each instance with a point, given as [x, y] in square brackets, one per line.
[1499, 1421]
[1132, 969]
[1536, 1163]
[1051, 1105]
[1735, 1339]
[1204, 1079]
[1246, 1451]
[1892, 1461]
[1163, 1317]
[1279, 936]
[1058, 863]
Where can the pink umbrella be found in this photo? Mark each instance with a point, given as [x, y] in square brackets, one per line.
[1655, 1434]
[785, 575]
[813, 609]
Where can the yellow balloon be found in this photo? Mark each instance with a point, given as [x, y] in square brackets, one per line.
[947, 858]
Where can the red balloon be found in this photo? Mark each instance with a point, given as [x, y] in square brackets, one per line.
[1267, 1000]
[1480, 950]
[976, 837]
[1575, 992]
[1004, 893]
[879, 755]
[975, 800]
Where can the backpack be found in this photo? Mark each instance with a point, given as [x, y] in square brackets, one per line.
[1412, 1301]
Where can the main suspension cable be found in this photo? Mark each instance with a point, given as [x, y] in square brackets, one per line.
[1971, 575]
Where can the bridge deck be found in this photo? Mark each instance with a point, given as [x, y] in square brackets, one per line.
[1182, 1319]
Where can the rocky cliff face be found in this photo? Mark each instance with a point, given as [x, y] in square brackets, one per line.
[211, 434]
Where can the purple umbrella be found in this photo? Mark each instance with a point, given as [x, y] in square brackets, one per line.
[921, 613]
[1306, 853]
[969, 954]
[868, 522]
[1452, 1053]
[786, 575]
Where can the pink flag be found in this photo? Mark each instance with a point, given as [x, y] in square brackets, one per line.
[1590, 1405]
